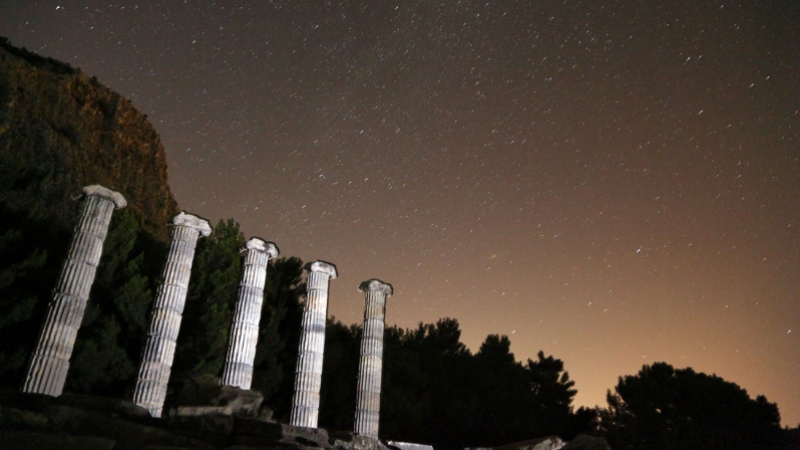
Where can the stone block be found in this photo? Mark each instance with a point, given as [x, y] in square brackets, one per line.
[350, 441]
[282, 433]
[316, 437]
[408, 446]
[205, 396]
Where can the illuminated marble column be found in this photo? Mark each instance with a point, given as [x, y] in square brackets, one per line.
[165, 321]
[50, 361]
[308, 375]
[238, 369]
[368, 396]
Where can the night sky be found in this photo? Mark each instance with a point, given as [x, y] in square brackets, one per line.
[615, 183]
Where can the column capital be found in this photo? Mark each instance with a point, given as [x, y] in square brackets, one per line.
[261, 245]
[376, 285]
[188, 220]
[322, 266]
[104, 192]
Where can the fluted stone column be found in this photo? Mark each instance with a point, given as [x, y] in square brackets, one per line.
[50, 361]
[368, 396]
[308, 375]
[165, 321]
[238, 369]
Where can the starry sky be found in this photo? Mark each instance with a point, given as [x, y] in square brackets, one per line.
[615, 183]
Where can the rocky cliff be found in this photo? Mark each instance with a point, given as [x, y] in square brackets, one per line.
[61, 130]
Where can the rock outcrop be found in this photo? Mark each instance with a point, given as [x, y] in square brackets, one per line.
[581, 442]
[61, 130]
[34, 421]
[545, 443]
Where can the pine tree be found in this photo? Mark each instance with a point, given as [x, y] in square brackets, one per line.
[112, 333]
[212, 294]
[279, 334]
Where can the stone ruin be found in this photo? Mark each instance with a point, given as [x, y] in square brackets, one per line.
[49, 362]
[138, 424]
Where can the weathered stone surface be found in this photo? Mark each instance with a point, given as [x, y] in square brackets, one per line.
[582, 442]
[201, 411]
[308, 375]
[408, 446]
[191, 221]
[586, 442]
[315, 437]
[351, 441]
[34, 415]
[204, 396]
[282, 433]
[545, 443]
[241, 402]
[115, 197]
[49, 364]
[165, 322]
[238, 370]
[368, 394]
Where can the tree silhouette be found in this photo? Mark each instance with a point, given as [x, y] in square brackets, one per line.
[279, 334]
[32, 251]
[504, 396]
[435, 391]
[338, 392]
[552, 394]
[216, 272]
[109, 344]
[665, 408]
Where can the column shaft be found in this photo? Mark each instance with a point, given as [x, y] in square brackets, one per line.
[165, 321]
[50, 361]
[308, 375]
[368, 395]
[242, 342]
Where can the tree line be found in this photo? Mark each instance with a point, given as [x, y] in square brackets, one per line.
[435, 390]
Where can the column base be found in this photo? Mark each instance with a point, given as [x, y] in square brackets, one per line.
[351, 441]
[204, 396]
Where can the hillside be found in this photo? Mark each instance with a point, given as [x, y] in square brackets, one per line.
[61, 130]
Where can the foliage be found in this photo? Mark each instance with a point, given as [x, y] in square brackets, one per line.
[211, 297]
[60, 131]
[108, 348]
[338, 392]
[30, 251]
[553, 393]
[435, 391]
[279, 335]
[664, 408]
